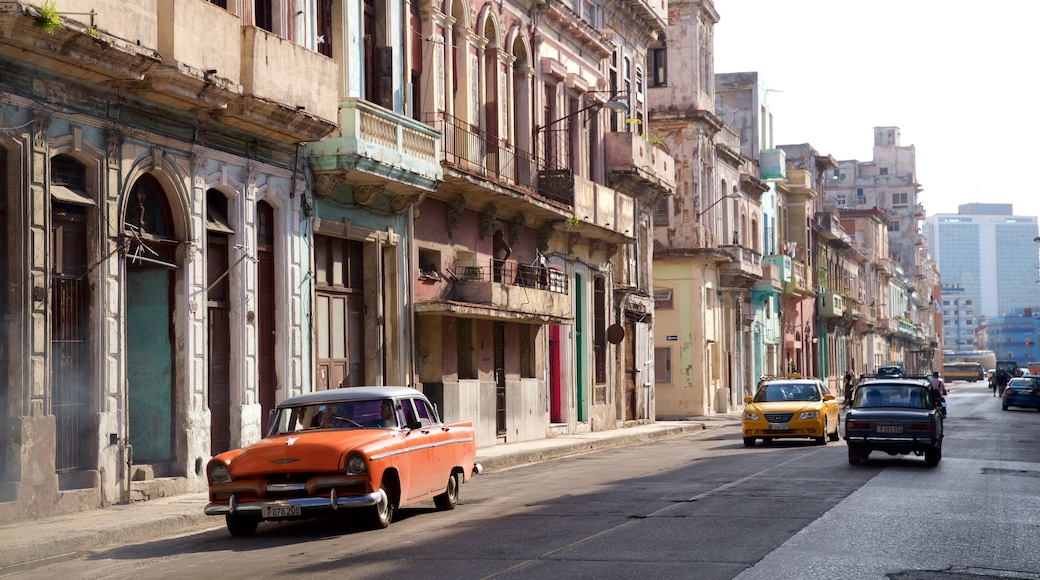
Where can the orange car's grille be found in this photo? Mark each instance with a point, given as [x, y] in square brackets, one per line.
[778, 417]
[285, 487]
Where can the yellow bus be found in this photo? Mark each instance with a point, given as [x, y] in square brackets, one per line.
[963, 371]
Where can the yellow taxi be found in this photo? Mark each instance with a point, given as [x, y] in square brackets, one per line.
[790, 408]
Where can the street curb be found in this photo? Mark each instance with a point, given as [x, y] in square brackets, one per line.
[55, 548]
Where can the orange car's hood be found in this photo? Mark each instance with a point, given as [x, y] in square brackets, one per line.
[315, 451]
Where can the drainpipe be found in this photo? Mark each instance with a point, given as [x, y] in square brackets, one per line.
[413, 346]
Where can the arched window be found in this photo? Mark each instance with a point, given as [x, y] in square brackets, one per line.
[147, 218]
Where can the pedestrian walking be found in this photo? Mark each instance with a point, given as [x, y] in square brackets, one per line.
[847, 389]
[1002, 380]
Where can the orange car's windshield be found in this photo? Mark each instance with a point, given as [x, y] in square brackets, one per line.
[374, 413]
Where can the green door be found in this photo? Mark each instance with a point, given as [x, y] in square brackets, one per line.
[149, 364]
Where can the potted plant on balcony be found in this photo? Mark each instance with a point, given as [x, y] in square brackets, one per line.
[472, 273]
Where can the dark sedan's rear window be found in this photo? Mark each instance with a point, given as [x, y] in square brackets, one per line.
[906, 396]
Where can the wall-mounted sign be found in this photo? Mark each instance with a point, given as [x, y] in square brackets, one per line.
[672, 337]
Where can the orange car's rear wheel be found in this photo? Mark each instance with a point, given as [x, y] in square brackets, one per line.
[450, 497]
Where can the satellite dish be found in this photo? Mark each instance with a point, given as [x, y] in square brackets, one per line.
[615, 334]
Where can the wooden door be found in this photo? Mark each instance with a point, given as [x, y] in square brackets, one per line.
[631, 387]
[219, 342]
[266, 311]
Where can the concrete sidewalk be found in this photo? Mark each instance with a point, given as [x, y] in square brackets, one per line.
[27, 544]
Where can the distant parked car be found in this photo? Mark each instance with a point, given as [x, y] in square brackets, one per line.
[356, 450]
[1022, 391]
[895, 416]
[791, 408]
[890, 372]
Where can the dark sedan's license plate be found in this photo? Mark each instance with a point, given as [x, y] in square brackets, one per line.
[280, 511]
[889, 428]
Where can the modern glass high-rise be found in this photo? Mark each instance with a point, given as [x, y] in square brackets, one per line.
[988, 252]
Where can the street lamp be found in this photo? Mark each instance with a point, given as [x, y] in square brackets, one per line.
[615, 105]
[733, 195]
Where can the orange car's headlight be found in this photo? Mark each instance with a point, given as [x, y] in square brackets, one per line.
[218, 473]
[356, 464]
[809, 415]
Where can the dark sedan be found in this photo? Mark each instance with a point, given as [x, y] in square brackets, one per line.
[895, 416]
[1022, 392]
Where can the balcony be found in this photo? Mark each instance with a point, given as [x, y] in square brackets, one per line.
[477, 156]
[637, 167]
[744, 270]
[800, 285]
[602, 212]
[302, 110]
[505, 290]
[377, 147]
[201, 58]
[831, 305]
[183, 54]
[906, 328]
[888, 325]
[770, 280]
[123, 48]
[782, 264]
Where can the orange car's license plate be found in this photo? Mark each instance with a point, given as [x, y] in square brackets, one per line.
[890, 429]
[280, 511]
[778, 426]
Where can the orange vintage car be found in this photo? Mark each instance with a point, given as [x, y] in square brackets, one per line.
[357, 450]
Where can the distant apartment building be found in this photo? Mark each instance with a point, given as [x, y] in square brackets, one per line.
[988, 252]
[960, 318]
[1014, 336]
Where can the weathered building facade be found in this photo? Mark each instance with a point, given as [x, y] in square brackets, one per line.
[150, 231]
[532, 285]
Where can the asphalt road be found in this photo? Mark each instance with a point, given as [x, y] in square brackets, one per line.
[688, 507]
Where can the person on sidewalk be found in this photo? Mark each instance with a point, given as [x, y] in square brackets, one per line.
[938, 392]
[847, 389]
[1002, 379]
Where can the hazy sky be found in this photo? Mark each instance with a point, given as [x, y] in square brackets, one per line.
[955, 77]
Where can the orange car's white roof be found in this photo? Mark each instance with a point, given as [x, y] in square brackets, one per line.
[346, 394]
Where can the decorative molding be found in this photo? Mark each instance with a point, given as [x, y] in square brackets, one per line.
[199, 159]
[40, 125]
[516, 227]
[595, 245]
[157, 156]
[113, 147]
[455, 209]
[573, 239]
[400, 203]
[545, 233]
[366, 194]
[325, 183]
[612, 250]
[487, 221]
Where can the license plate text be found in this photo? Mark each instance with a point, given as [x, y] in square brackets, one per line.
[890, 429]
[280, 511]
